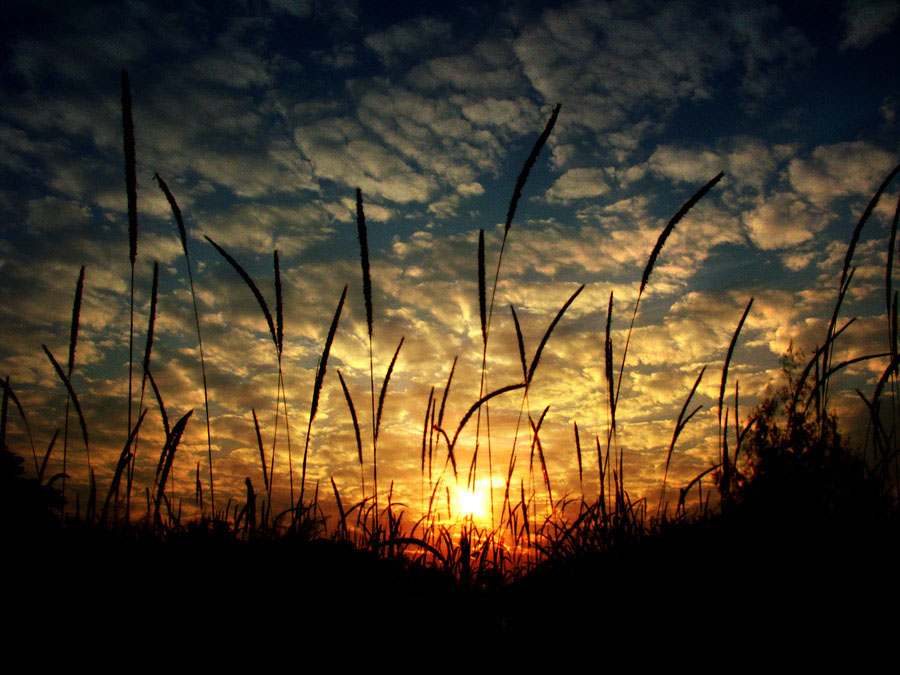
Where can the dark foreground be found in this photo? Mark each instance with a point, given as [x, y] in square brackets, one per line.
[766, 544]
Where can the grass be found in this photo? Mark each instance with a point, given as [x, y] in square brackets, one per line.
[787, 478]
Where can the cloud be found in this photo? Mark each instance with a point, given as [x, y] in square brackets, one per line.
[411, 37]
[325, 13]
[773, 54]
[261, 228]
[746, 161]
[783, 221]
[52, 214]
[264, 136]
[490, 68]
[839, 170]
[611, 63]
[686, 165]
[232, 66]
[867, 20]
[301, 8]
[579, 184]
[339, 57]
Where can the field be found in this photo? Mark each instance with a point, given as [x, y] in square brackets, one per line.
[787, 505]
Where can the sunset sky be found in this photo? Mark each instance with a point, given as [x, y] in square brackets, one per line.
[264, 118]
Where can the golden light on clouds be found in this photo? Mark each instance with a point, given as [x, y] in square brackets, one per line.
[434, 130]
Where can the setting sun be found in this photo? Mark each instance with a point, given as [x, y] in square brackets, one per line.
[472, 503]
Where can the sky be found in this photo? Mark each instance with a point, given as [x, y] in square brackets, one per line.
[265, 117]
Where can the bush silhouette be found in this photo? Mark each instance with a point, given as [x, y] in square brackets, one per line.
[799, 470]
[27, 507]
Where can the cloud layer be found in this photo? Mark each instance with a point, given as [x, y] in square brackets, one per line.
[265, 121]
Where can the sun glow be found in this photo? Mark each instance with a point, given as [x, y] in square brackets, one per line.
[472, 503]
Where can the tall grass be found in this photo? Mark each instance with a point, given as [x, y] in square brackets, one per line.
[276, 331]
[536, 521]
[487, 314]
[182, 233]
[70, 366]
[131, 198]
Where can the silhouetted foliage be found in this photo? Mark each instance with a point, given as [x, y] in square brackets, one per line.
[798, 468]
[27, 507]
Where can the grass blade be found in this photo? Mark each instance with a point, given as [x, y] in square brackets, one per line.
[608, 361]
[159, 401]
[680, 423]
[76, 315]
[535, 429]
[279, 318]
[847, 273]
[168, 456]
[68, 385]
[73, 341]
[337, 498]
[540, 449]
[262, 453]
[367, 298]
[482, 294]
[252, 286]
[353, 416]
[870, 207]
[175, 212]
[428, 413]
[654, 254]
[130, 166]
[323, 362]
[537, 354]
[526, 168]
[149, 348]
[131, 196]
[364, 258]
[124, 459]
[480, 402]
[317, 387]
[182, 232]
[440, 420]
[578, 453]
[722, 432]
[521, 343]
[40, 473]
[667, 230]
[888, 277]
[384, 386]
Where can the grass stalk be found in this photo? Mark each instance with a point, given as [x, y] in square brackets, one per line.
[680, 424]
[70, 366]
[317, 388]
[648, 269]
[167, 457]
[362, 235]
[847, 273]
[182, 232]
[355, 418]
[486, 322]
[263, 305]
[74, 396]
[11, 395]
[725, 485]
[131, 195]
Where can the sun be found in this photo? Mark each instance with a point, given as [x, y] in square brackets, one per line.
[472, 503]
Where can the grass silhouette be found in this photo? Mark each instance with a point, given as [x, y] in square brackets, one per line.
[788, 493]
